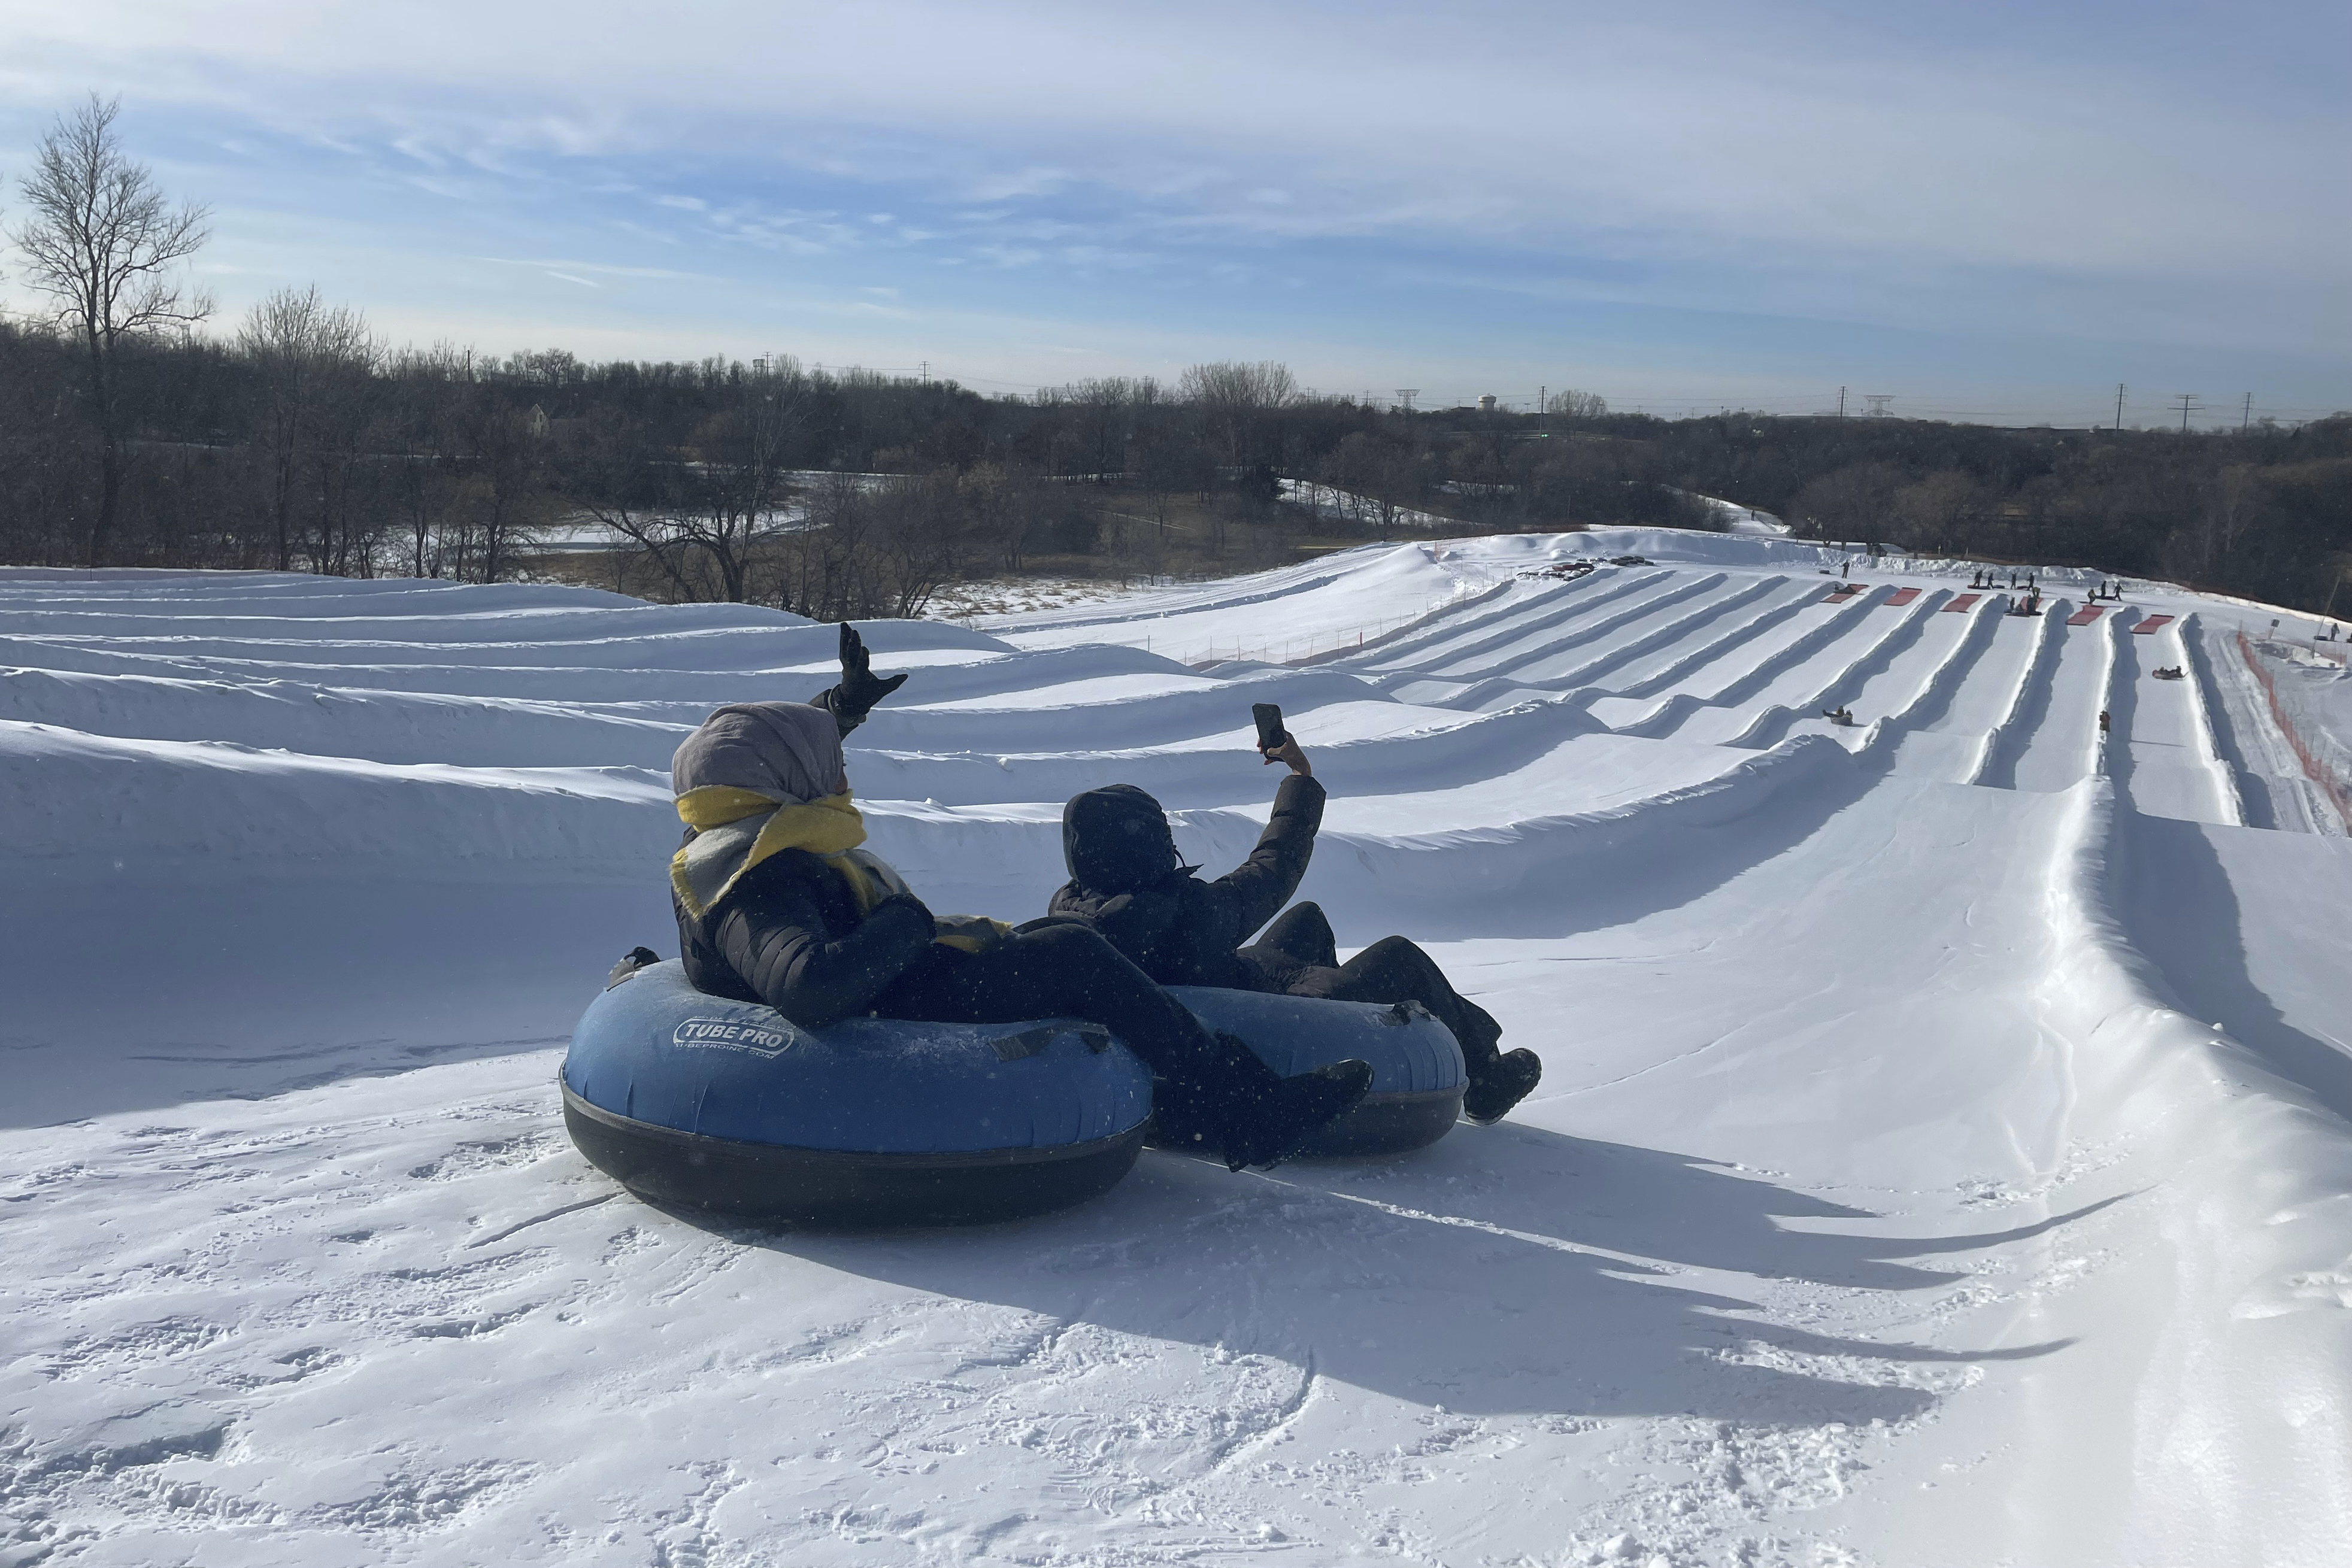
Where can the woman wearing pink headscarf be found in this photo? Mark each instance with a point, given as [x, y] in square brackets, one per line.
[778, 902]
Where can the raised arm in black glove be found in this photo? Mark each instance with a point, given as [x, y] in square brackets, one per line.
[860, 687]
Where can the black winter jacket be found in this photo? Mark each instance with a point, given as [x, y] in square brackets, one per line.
[1178, 929]
[788, 934]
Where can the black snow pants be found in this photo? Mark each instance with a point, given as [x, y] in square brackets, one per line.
[1298, 957]
[1062, 969]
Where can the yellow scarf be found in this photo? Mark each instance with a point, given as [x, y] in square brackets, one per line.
[727, 844]
[710, 865]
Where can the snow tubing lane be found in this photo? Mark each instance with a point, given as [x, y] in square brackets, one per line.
[694, 1099]
[1417, 1073]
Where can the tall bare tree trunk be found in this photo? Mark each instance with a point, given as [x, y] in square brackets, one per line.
[103, 246]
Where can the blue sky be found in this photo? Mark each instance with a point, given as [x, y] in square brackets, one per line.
[1988, 210]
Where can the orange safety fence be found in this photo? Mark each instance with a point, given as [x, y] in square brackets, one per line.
[2313, 768]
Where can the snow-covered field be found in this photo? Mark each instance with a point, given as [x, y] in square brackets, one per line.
[1942, 1157]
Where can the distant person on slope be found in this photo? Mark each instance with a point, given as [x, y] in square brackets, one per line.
[777, 902]
[1128, 883]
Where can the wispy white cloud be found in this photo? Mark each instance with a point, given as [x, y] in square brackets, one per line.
[595, 266]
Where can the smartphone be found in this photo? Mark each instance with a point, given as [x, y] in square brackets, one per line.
[1270, 733]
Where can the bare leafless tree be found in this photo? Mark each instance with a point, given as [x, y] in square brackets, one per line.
[104, 243]
[919, 541]
[307, 355]
[699, 516]
[1381, 478]
[1103, 414]
[1235, 401]
[502, 497]
[1001, 506]
[1574, 404]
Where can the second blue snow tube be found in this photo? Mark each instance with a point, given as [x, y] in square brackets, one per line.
[694, 1099]
[1417, 1073]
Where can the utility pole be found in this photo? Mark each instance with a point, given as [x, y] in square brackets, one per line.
[1405, 396]
[2188, 402]
[1840, 403]
[925, 372]
[2119, 406]
[2246, 416]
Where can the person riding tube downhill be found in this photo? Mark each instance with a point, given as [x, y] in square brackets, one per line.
[1128, 883]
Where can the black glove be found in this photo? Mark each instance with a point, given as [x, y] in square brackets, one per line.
[638, 958]
[860, 688]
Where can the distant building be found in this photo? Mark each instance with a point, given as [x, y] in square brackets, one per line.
[1487, 403]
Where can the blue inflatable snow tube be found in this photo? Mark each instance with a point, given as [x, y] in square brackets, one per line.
[1417, 1073]
[694, 1099]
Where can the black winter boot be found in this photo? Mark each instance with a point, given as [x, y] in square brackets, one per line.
[1247, 1114]
[1499, 1084]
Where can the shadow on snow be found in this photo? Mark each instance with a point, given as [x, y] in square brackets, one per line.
[1513, 1270]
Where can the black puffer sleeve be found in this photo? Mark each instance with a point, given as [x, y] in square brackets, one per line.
[774, 937]
[1256, 891]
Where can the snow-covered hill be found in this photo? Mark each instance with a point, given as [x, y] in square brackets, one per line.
[1942, 1155]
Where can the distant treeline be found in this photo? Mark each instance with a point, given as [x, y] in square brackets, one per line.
[297, 441]
[2265, 512]
[298, 444]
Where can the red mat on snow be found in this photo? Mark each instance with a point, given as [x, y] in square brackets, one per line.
[2084, 616]
[1962, 602]
[2148, 623]
[1902, 596]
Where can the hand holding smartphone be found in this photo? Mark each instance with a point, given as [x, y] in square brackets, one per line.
[1275, 742]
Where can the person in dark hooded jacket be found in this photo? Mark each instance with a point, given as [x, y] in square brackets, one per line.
[1127, 882]
[777, 902]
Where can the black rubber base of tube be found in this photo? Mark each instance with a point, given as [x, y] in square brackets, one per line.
[1380, 1124]
[835, 1190]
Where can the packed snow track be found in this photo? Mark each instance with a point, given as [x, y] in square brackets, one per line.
[1941, 1157]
